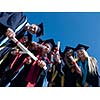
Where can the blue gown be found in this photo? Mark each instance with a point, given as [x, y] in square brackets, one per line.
[15, 21]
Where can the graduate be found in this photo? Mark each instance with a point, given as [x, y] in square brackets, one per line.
[19, 78]
[88, 67]
[15, 24]
[11, 22]
[38, 76]
[13, 60]
[69, 68]
[18, 72]
[8, 58]
[56, 73]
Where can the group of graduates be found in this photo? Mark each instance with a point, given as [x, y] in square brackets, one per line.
[26, 63]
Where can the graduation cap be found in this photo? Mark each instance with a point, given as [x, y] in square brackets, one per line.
[51, 43]
[40, 30]
[68, 48]
[81, 46]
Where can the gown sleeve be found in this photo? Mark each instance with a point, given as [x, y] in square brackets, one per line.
[10, 20]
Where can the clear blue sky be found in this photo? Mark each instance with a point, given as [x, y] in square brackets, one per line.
[71, 28]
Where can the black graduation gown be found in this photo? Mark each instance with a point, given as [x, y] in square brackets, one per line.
[20, 80]
[57, 80]
[91, 78]
[42, 74]
[70, 78]
[11, 73]
[36, 74]
[7, 62]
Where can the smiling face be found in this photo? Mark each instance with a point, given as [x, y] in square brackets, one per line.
[81, 54]
[69, 53]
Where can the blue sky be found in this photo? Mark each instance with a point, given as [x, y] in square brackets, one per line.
[71, 28]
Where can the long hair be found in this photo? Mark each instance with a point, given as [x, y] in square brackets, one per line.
[92, 63]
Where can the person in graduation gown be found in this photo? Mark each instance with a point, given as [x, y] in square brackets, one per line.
[69, 68]
[20, 79]
[39, 75]
[9, 66]
[15, 24]
[55, 73]
[9, 57]
[88, 66]
[4, 52]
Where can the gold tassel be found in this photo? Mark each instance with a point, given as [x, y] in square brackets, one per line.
[77, 84]
[62, 81]
[4, 58]
[52, 79]
[54, 76]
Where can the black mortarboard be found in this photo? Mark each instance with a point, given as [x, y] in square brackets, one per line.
[68, 48]
[51, 43]
[40, 31]
[81, 46]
